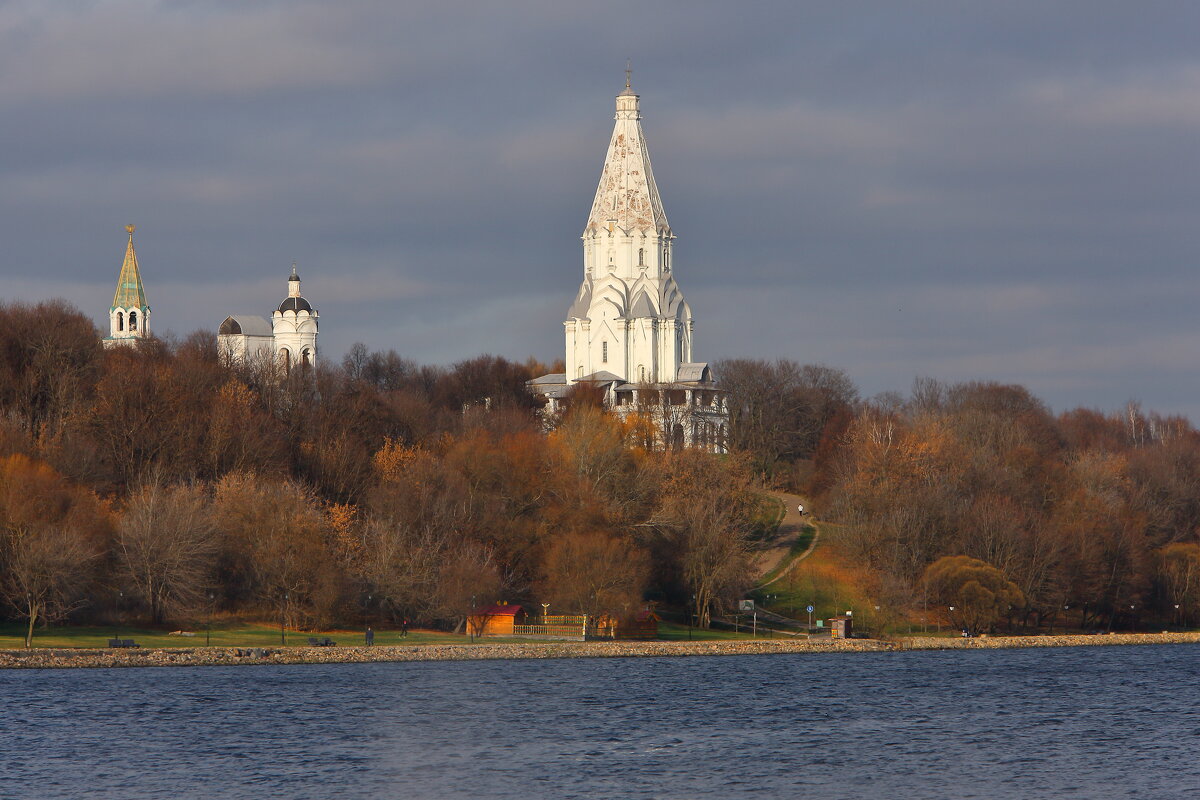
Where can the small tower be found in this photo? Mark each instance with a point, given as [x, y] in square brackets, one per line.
[129, 316]
[294, 325]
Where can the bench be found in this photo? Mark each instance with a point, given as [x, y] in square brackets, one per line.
[325, 642]
[122, 643]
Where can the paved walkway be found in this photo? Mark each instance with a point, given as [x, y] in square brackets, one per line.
[790, 530]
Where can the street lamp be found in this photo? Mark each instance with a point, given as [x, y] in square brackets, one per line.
[470, 631]
[283, 620]
[208, 622]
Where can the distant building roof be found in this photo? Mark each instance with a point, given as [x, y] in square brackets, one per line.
[499, 610]
[554, 377]
[245, 325]
[603, 376]
[696, 372]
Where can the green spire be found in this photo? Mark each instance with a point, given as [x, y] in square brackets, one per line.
[130, 293]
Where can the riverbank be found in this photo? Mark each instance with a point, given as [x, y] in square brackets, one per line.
[1009, 642]
[230, 656]
[52, 658]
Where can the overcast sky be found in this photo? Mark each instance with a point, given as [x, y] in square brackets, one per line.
[1004, 191]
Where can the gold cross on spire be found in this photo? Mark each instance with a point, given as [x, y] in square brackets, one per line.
[628, 73]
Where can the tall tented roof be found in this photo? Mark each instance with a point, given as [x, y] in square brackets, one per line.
[627, 194]
[130, 293]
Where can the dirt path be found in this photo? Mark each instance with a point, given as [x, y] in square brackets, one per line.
[773, 553]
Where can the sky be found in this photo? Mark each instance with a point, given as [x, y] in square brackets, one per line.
[959, 190]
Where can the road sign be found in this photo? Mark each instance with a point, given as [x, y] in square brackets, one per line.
[810, 609]
[746, 606]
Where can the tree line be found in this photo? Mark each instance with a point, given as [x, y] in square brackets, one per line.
[165, 483]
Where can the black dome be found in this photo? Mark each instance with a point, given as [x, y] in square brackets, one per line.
[295, 304]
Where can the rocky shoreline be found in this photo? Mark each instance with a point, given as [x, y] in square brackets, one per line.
[231, 656]
[236, 656]
[1007, 642]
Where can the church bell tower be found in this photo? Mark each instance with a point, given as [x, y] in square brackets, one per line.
[129, 315]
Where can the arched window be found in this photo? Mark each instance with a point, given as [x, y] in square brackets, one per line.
[604, 352]
[304, 357]
[285, 358]
[641, 256]
[120, 320]
[133, 320]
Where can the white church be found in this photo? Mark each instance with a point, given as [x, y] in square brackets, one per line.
[290, 338]
[629, 331]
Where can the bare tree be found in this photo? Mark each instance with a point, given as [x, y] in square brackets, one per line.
[167, 546]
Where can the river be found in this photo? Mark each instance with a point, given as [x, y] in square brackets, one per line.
[1111, 722]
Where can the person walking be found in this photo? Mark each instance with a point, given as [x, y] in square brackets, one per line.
[404, 628]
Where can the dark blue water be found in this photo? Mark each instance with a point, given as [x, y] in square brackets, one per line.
[1086, 722]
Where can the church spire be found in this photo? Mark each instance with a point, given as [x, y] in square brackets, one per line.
[129, 314]
[627, 197]
[130, 293]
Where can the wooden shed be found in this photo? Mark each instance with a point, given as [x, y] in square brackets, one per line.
[497, 619]
[642, 625]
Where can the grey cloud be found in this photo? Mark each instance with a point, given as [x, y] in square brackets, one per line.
[960, 190]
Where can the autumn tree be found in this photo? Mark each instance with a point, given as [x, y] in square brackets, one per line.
[1179, 573]
[166, 545]
[976, 593]
[277, 546]
[594, 572]
[704, 518]
[51, 537]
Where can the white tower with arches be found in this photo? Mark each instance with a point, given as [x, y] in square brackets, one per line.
[129, 314]
[294, 326]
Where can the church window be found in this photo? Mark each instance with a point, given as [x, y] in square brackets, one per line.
[133, 320]
[604, 352]
[642, 373]
[120, 321]
[304, 357]
[579, 374]
[285, 359]
[641, 256]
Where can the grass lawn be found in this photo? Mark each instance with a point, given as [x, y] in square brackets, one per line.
[240, 634]
[673, 631]
[12, 636]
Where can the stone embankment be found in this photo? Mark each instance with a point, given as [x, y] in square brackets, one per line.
[1003, 642]
[228, 656]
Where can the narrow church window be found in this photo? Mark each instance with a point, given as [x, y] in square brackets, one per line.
[120, 321]
[641, 373]
[133, 320]
[285, 356]
[604, 352]
[304, 358]
[641, 256]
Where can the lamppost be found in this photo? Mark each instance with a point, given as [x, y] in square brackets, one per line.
[208, 622]
[283, 620]
[545, 612]
[1177, 625]
[470, 631]
[691, 611]
[120, 602]
[1132, 617]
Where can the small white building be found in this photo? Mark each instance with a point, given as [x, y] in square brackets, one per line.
[629, 331]
[290, 338]
[129, 314]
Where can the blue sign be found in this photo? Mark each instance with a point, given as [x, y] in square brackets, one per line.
[810, 609]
